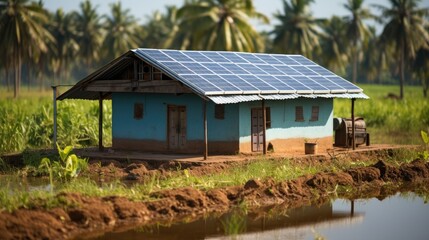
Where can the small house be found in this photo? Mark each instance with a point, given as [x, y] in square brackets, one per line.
[216, 102]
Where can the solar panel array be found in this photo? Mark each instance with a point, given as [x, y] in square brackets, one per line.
[218, 73]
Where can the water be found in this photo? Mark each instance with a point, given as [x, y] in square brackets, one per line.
[402, 216]
[29, 184]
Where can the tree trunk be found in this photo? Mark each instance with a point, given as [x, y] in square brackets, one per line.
[355, 64]
[16, 75]
[401, 71]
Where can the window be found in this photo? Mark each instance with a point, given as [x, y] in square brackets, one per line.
[299, 114]
[314, 113]
[220, 111]
[138, 110]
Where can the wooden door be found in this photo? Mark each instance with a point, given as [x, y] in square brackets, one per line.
[257, 130]
[176, 127]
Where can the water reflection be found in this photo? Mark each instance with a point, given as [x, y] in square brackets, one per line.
[396, 217]
[29, 184]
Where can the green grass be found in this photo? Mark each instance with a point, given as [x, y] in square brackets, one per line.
[390, 121]
[27, 122]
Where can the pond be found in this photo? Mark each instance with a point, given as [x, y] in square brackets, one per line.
[402, 216]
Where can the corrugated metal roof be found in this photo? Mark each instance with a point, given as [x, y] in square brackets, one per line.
[229, 99]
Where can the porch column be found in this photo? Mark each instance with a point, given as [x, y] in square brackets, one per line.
[205, 129]
[100, 122]
[353, 123]
[264, 127]
[54, 93]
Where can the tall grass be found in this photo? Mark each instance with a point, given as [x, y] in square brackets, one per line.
[28, 123]
[390, 121]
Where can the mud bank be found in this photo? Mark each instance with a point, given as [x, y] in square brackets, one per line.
[88, 215]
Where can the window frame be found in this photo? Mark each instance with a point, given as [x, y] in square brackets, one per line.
[138, 111]
[315, 111]
[299, 114]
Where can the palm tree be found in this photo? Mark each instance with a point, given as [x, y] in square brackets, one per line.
[333, 43]
[220, 25]
[297, 31]
[23, 35]
[90, 35]
[122, 31]
[356, 30]
[405, 30]
[64, 31]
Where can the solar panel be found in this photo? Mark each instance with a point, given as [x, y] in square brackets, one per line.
[246, 73]
[178, 56]
[294, 84]
[239, 83]
[343, 83]
[320, 70]
[234, 68]
[197, 81]
[302, 60]
[233, 57]
[270, 69]
[305, 71]
[327, 83]
[310, 83]
[258, 83]
[287, 70]
[197, 68]
[285, 59]
[279, 85]
[178, 68]
[157, 55]
[268, 59]
[215, 57]
[253, 69]
[250, 58]
[220, 82]
[216, 68]
[197, 56]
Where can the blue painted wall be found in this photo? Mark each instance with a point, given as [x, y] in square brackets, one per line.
[283, 124]
[153, 125]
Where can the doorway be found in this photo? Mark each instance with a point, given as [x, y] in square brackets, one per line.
[257, 124]
[176, 129]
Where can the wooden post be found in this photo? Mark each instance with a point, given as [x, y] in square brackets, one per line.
[353, 123]
[205, 129]
[264, 127]
[54, 140]
[100, 122]
[352, 208]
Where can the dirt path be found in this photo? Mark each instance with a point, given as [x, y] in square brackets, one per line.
[89, 214]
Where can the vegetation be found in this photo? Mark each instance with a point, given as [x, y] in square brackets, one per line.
[405, 29]
[12, 197]
[67, 167]
[28, 123]
[389, 120]
[60, 47]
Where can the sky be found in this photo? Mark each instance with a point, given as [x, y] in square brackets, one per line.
[142, 9]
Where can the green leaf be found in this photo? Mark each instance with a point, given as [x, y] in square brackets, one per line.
[424, 137]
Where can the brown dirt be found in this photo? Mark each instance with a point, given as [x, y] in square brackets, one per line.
[89, 214]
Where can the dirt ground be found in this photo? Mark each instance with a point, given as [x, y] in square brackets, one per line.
[90, 215]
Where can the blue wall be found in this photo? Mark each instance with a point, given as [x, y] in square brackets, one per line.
[283, 124]
[153, 125]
